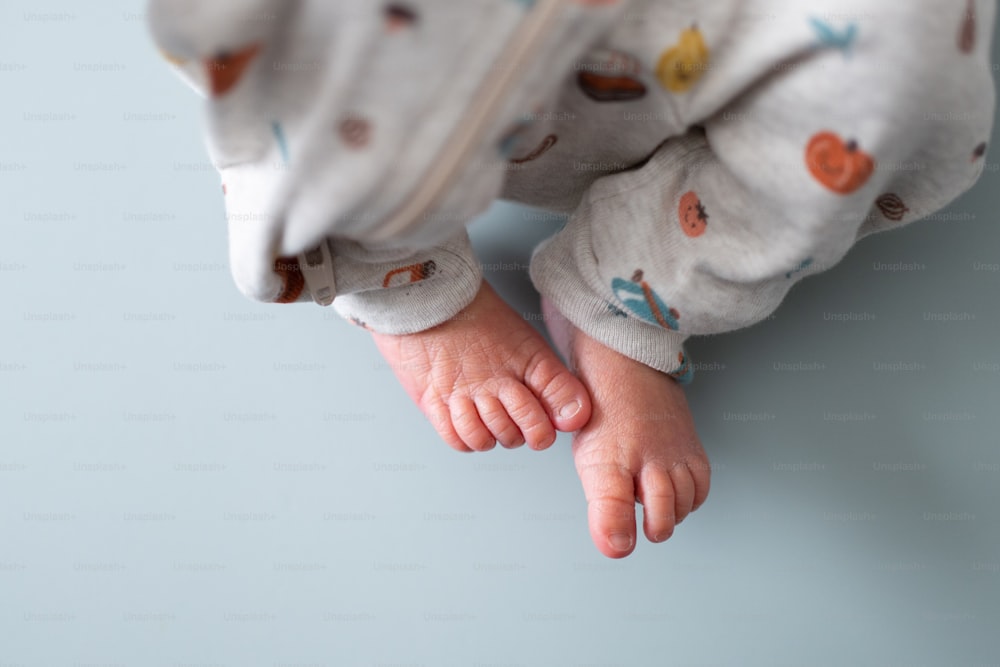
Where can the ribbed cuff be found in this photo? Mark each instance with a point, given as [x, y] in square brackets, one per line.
[410, 294]
[564, 271]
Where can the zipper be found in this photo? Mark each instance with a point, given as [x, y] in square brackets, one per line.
[486, 107]
[317, 264]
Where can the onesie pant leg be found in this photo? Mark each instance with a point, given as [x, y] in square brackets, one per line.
[778, 182]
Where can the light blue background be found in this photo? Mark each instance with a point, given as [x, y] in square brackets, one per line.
[189, 478]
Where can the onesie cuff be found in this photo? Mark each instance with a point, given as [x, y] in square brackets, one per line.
[388, 293]
[625, 315]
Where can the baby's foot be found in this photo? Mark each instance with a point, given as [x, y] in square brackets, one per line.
[639, 446]
[486, 376]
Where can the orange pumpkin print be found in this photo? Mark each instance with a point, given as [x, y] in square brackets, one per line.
[691, 212]
[226, 69]
[291, 275]
[412, 274]
[612, 76]
[839, 165]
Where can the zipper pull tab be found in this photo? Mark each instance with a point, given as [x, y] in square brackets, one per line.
[317, 269]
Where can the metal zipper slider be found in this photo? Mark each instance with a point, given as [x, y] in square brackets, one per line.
[317, 270]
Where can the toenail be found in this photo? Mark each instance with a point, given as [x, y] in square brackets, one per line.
[621, 541]
[570, 410]
[662, 537]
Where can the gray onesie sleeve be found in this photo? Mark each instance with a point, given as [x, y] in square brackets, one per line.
[357, 139]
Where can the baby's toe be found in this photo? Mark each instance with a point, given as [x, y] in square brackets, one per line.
[468, 425]
[565, 399]
[529, 415]
[439, 416]
[701, 472]
[659, 494]
[610, 492]
[684, 491]
[494, 416]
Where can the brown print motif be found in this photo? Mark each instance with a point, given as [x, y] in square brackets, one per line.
[360, 323]
[399, 17]
[546, 145]
[980, 152]
[967, 34]
[356, 132]
[892, 206]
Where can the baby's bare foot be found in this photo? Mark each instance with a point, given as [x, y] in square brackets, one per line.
[639, 446]
[486, 376]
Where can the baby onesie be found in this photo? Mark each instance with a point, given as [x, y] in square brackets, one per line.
[709, 155]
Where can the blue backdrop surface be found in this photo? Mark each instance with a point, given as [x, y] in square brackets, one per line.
[188, 478]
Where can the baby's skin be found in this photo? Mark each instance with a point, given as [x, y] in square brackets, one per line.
[486, 376]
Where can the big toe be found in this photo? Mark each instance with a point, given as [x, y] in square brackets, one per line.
[610, 492]
[561, 394]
